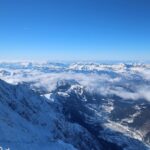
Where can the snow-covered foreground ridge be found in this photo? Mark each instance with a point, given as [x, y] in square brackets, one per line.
[74, 106]
[26, 120]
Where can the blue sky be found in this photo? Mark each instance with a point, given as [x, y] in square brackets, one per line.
[74, 29]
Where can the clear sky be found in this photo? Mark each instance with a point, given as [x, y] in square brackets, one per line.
[75, 29]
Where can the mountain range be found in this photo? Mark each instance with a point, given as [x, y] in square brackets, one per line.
[88, 106]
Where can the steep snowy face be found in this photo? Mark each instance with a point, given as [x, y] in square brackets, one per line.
[27, 120]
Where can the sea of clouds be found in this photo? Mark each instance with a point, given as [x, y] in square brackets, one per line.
[128, 83]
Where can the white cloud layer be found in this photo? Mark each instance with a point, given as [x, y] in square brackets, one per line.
[128, 84]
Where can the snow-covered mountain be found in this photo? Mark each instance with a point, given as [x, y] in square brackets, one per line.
[26, 120]
[75, 106]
